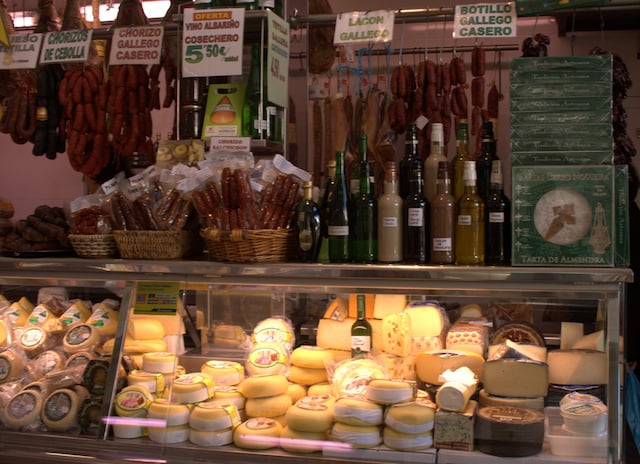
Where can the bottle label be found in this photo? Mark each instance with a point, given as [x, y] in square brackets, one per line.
[390, 221]
[464, 220]
[415, 218]
[305, 239]
[497, 217]
[354, 186]
[360, 344]
[339, 231]
[267, 3]
[442, 244]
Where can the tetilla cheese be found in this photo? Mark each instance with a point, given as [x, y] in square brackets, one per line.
[267, 358]
[257, 433]
[509, 432]
[577, 367]
[261, 386]
[430, 364]
[311, 414]
[357, 411]
[223, 372]
[414, 417]
[357, 436]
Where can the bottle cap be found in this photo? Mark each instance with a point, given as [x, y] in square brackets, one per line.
[469, 173]
[437, 133]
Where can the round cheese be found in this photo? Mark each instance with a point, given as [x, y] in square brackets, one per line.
[192, 388]
[212, 416]
[296, 441]
[159, 362]
[271, 406]
[357, 411]
[267, 358]
[90, 415]
[406, 441]
[81, 337]
[60, 410]
[410, 417]
[296, 391]
[224, 372]
[94, 376]
[389, 391]
[33, 340]
[77, 313]
[127, 431]
[169, 435]
[519, 332]
[152, 381]
[229, 394]
[23, 410]
[485, 399]
[211, 438]
[307, 375]
[133, 401]
[260, 386]
[520, 378]
[145, 329]
[311, 414]
[173, 414]
[274, 330]
[45, 362]
[320, 388]
[351, 377]
[312, 357]
[430, 364]
[357, 436]
[79, 360]
[11, 365]
[257, 433]
[509, 432]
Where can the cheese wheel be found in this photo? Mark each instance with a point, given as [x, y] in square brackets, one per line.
[389, 391]
[60, 410]
[159, 362]
[169, 435]
[270, 406]
[485, 399]
[357, 411]
[296, 391]
[521, 378]
[192, 388]
[311, 414]
[90, 416]
[23, 410]
[79, 360]
[577, 367]
[12, 365]
[260, 386]
[127, 431]
[77, 313]
[415, 417]
[430, 364]
[406, 441]
[274, 330]
[212, 416]
[152, 381]
[81, 337]
[509, 432]
[45, 362]
[267, 358]
[223, 372]
[357, 436]
[296, 441]
[211, 438]
[105, 320]
[307, 375]
[230, 394]
[320, 389]
[34, 340]
[257, 433]
[145, 329]
[312, 357]
[133, 401]
[174, 414]
[351, 377]
[41, 387]
[519, 332]
[94, 376]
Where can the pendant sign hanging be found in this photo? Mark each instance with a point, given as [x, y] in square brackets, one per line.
[136, 45]
[22, 53]
[278, 60]
[364, 26]
[66, 46]
[485, 20]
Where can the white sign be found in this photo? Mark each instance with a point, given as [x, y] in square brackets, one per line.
[136, 45]
[278, 60]
[229, 144]
[212, 42]
[23, 53]
[364, 26]
[485, 20]
[66, 46]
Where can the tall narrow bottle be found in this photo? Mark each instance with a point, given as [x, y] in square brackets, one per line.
[338, 222]
[431, 163]
[416, 221]
[356, 166]
[469, 246]
[254, 122]
[364, 223]
[443, 219]
[410, 159]
[497, 248]
[390, 225]
[487, 156]
[361, 331]
[327, 195]
[308, 222]
[462, 155]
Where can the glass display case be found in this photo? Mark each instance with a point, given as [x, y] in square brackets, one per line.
[214, 307]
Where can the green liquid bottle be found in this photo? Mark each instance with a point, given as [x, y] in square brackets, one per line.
[364, 236]
[338, 222]
[361, 331]
[470, 221]
[462, 156]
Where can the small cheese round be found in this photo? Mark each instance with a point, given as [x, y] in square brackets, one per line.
[159, 362]
[485, 399]
[81, 337]
[133, 401]
[296, 441]
[311, 414]
[367, 436]
[260, 386]
[152, 381]
[23, 410]
[229, 394]
[211, 416]
[307, 375]
[127, 431]
[274, 330]
[296, 391]
[389, 391]
[271, 406]
[60, 410]
[11, 365]
[173, 414]
[33, 340]
[169, 435]
[45, 362]
[410, 417]
[224, 372]
[320, 389]
[312, 357]
[407, 441]
[257, 433]
[192, 388]
[211, 438]
[79, 360]
[267, 358]
[357, 411]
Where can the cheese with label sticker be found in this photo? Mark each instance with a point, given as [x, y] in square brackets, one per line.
[260, 386]
[270, 406]
[77, 313]
[266, 358]
[23, 410]
[174, 414]
[211, 416]
[577, 367]
[224, 372]
[105, 320]
[152, 381]
[19, 312]
[257, 433]
[192, 388]
[159, 362]
[351, 377]
[311, 414]
[274, 330]
[12, 365]
[42, 316]
[34, 340]
[338, 309]
[133, 401]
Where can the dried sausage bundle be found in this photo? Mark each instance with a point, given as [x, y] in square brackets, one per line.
[403, 88]
[44, 230]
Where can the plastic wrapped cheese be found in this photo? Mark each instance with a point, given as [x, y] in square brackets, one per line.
[351, 377]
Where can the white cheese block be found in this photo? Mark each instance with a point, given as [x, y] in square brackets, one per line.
[296, 441]
[570, 332]
[384, 305]
[313, 357]
[592, 341]
[258, 433]
[270, 406]
[415, 417]
[516, 378]
[357, 411]
[431, 364]
[212, 416]
[145, 329]
[485, 399]
[223, 372]
[454, 396]
[211, 438]
[357, 436]
[406, 441]
[468, 336]
[336, 335]
[307, 375]
[577, 367]
[311, 414]
[428, 319]
[390, 391]
[261, 386]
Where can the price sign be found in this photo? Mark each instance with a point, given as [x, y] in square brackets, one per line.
[136, 45]
[22, 53]
[364, 26]
[278, 60]
[157, 298]
[485, 20]
[66, 46]
[212, 42]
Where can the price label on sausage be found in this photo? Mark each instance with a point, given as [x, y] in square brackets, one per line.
[212, 42]
[23, 52]
[136, 45]
[66, 46]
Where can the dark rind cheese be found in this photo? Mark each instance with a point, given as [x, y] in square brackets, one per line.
[509, 431]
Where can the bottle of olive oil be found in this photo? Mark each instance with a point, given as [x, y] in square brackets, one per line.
[308, 221]
[443, 219]
[361, 331]
[470, 220]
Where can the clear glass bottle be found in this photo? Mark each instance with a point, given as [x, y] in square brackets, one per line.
[364, 220]
[338, 222]
[431, 163]
[443, 219]
[254, 121]
[411, 158]
[416, 221]
[497, 248]
[361, 331]
[390, 224]
[462, 155]
[308, 226]
[327, 195]
[469, 245]
[487, 156]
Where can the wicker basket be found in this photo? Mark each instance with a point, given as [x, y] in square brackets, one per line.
[247, 246]
[153, 244]
[94, 246]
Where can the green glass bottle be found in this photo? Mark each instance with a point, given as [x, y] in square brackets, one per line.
[486, 158]
[364, 220]
[497, 248]
[327, 195]
[254, 123]
[462, 155]
[361, 331]
[338, 222]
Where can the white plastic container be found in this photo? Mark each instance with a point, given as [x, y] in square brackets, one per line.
[584, 418]
[564, 443]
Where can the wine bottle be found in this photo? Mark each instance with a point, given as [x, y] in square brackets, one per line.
[442, 220]
[469, 245]
[462, 155]
[390, 225]
[356, 166]
[338, 222]
[247, 4]
[254, 121]
[327, 195]
[416, 220]
[431, 163]
[308, 222]
[411, 157]
[497, 248]
[361, 331]
[364, 220]
[483, 163]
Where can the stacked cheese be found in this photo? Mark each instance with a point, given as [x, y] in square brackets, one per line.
[308, 423]
[211, 423]
[357, 422]
[144, 335]
[271, 343]
[170, 422]
[266, 396]
[409, 426]
[131, 403]
[309, 365]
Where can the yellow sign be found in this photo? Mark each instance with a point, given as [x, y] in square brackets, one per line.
[157, 298]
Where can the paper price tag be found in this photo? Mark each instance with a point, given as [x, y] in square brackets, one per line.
[23, 52]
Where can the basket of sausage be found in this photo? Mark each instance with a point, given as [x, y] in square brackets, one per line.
[245, 225]
[90, 233]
